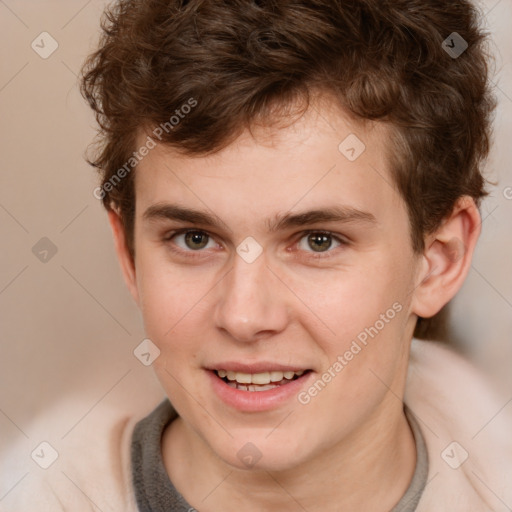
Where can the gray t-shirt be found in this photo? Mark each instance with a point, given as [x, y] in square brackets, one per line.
[155, 492]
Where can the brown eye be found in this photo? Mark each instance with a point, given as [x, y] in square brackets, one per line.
[196, 239]
[190, 241]
[319, 242]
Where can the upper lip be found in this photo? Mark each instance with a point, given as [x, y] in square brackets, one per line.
[257, 367]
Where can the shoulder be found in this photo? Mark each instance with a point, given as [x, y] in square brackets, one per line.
[467, 427]
[89, 468]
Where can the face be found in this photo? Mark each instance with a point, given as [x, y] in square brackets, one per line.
[297, 259]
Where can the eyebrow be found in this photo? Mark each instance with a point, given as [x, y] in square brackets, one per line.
[344, 214]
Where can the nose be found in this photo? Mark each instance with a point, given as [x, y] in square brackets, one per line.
[252, 302]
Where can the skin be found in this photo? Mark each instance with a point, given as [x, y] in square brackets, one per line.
[351, 444]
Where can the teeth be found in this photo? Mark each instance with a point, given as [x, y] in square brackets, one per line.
[250, 387]
[260, 378]
[242, 378]
[257, 378]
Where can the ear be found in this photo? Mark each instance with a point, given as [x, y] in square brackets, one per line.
[125, 260]
[447, 258]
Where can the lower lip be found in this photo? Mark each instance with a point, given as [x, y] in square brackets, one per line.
[254, 401]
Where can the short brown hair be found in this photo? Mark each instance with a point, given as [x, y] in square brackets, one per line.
[382, 60]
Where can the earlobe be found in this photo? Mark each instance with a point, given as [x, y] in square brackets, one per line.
[123, 254]
[447, 259]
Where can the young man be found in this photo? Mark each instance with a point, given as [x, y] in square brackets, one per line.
[293, 189]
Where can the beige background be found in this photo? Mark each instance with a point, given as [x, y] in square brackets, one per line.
[68, 325]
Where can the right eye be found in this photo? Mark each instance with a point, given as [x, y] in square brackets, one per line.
[189, 241]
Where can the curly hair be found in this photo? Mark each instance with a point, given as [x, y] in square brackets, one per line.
[241, 62]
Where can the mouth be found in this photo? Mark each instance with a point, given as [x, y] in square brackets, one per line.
[258, 382]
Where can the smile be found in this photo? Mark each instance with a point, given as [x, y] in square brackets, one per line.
[257, 381]
[257, 390]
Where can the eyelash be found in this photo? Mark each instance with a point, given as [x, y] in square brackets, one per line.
[197, 254]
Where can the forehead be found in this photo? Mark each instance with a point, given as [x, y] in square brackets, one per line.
[321, 159]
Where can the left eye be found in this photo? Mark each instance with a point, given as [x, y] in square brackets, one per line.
[319, 241]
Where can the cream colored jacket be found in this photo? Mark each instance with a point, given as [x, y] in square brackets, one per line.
[467, 430]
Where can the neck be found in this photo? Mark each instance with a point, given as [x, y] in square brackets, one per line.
[368, 470]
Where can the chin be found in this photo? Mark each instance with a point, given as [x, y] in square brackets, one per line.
[258, 453]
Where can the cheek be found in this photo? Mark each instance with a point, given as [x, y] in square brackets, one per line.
[360, 314]
[170, 299]
[347, 300]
